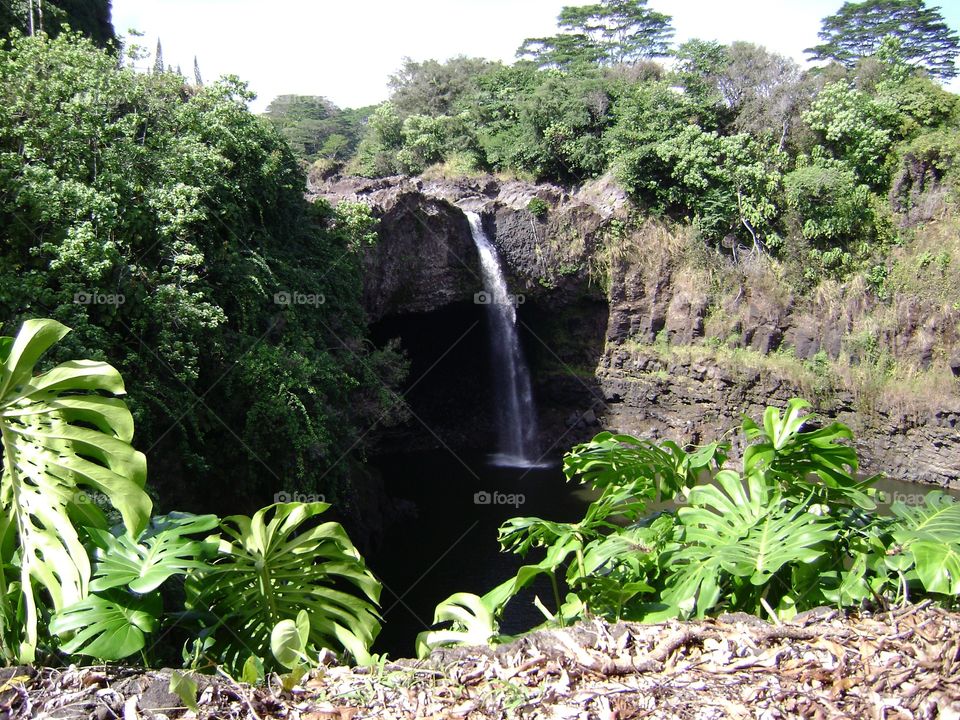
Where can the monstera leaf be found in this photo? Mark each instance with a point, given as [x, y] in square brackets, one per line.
[159, 553]
[793, 457]
[623, 460]
[110, 626]
[473, 622]
[272, 566]
[124, 605]
[739, 530]
[59, 434]
[930, 536]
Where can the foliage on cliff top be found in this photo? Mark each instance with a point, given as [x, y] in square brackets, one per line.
[734, 139]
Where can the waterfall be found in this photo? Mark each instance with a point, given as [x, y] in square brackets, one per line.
[516, 419]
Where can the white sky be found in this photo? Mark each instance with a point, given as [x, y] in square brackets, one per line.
[346, 49]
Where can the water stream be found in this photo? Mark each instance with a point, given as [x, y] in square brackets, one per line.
[516, 416]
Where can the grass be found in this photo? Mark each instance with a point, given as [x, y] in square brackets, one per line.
[812, 379]
[928, 267]
[457, 165]
[877, 385]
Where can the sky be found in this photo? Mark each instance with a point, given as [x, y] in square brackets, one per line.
[346, 50]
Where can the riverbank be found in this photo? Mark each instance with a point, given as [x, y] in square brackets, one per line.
[895, 665]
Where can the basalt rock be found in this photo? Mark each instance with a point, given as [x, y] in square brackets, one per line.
[586, 300]
[697, 401]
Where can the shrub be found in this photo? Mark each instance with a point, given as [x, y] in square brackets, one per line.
[794, 528]
[537, 207]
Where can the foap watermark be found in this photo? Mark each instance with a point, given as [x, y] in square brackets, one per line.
[285, 496]
[912, 499]
[288, 298]
[90, 497]
[485, 298]
[96, 298]
[498, 498]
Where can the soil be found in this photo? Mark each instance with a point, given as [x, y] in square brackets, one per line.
[896, 665]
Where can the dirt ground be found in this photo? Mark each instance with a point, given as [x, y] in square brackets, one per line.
[904, 664]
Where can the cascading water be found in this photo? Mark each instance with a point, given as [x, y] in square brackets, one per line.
[517, 422]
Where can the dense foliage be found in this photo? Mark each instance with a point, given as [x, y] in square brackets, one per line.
[315, 128]
[166, 225]
[70, 582]
[795, 528]
[735, 139]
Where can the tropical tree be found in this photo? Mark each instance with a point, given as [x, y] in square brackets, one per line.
[89, 17]
[435, 88]
[162, 222]
[625, 30]
[564, 51]
[857, 128]
[609, 32]
[857, 30]
[158, 59]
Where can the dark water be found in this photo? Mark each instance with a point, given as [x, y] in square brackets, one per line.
[452, 546]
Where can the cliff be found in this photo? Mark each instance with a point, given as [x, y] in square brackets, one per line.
[633, 324]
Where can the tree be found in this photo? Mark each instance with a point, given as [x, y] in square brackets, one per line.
[89, 17]
[856, 128]
[308, 122]
[625, 30]
[763, 89]
[432, 87]
[377, 152]
[563, 52]
[698, 65]
[169, 229]
[610, 32]
[158, 59]
[859, 28]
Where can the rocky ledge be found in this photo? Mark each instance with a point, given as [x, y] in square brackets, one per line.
[696, 401]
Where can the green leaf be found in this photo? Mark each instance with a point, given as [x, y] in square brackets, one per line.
[930, 536]
[288, 681]
[253, 672]
[287, 644]
[273, 566]
[59, 436]
[109, 626]
[473, 623]
[793, 458]
[184, 687]
[741, 529]
[161, 552]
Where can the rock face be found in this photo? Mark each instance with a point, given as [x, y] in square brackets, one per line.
[695, 401]
[591, 295]
[424, 259]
